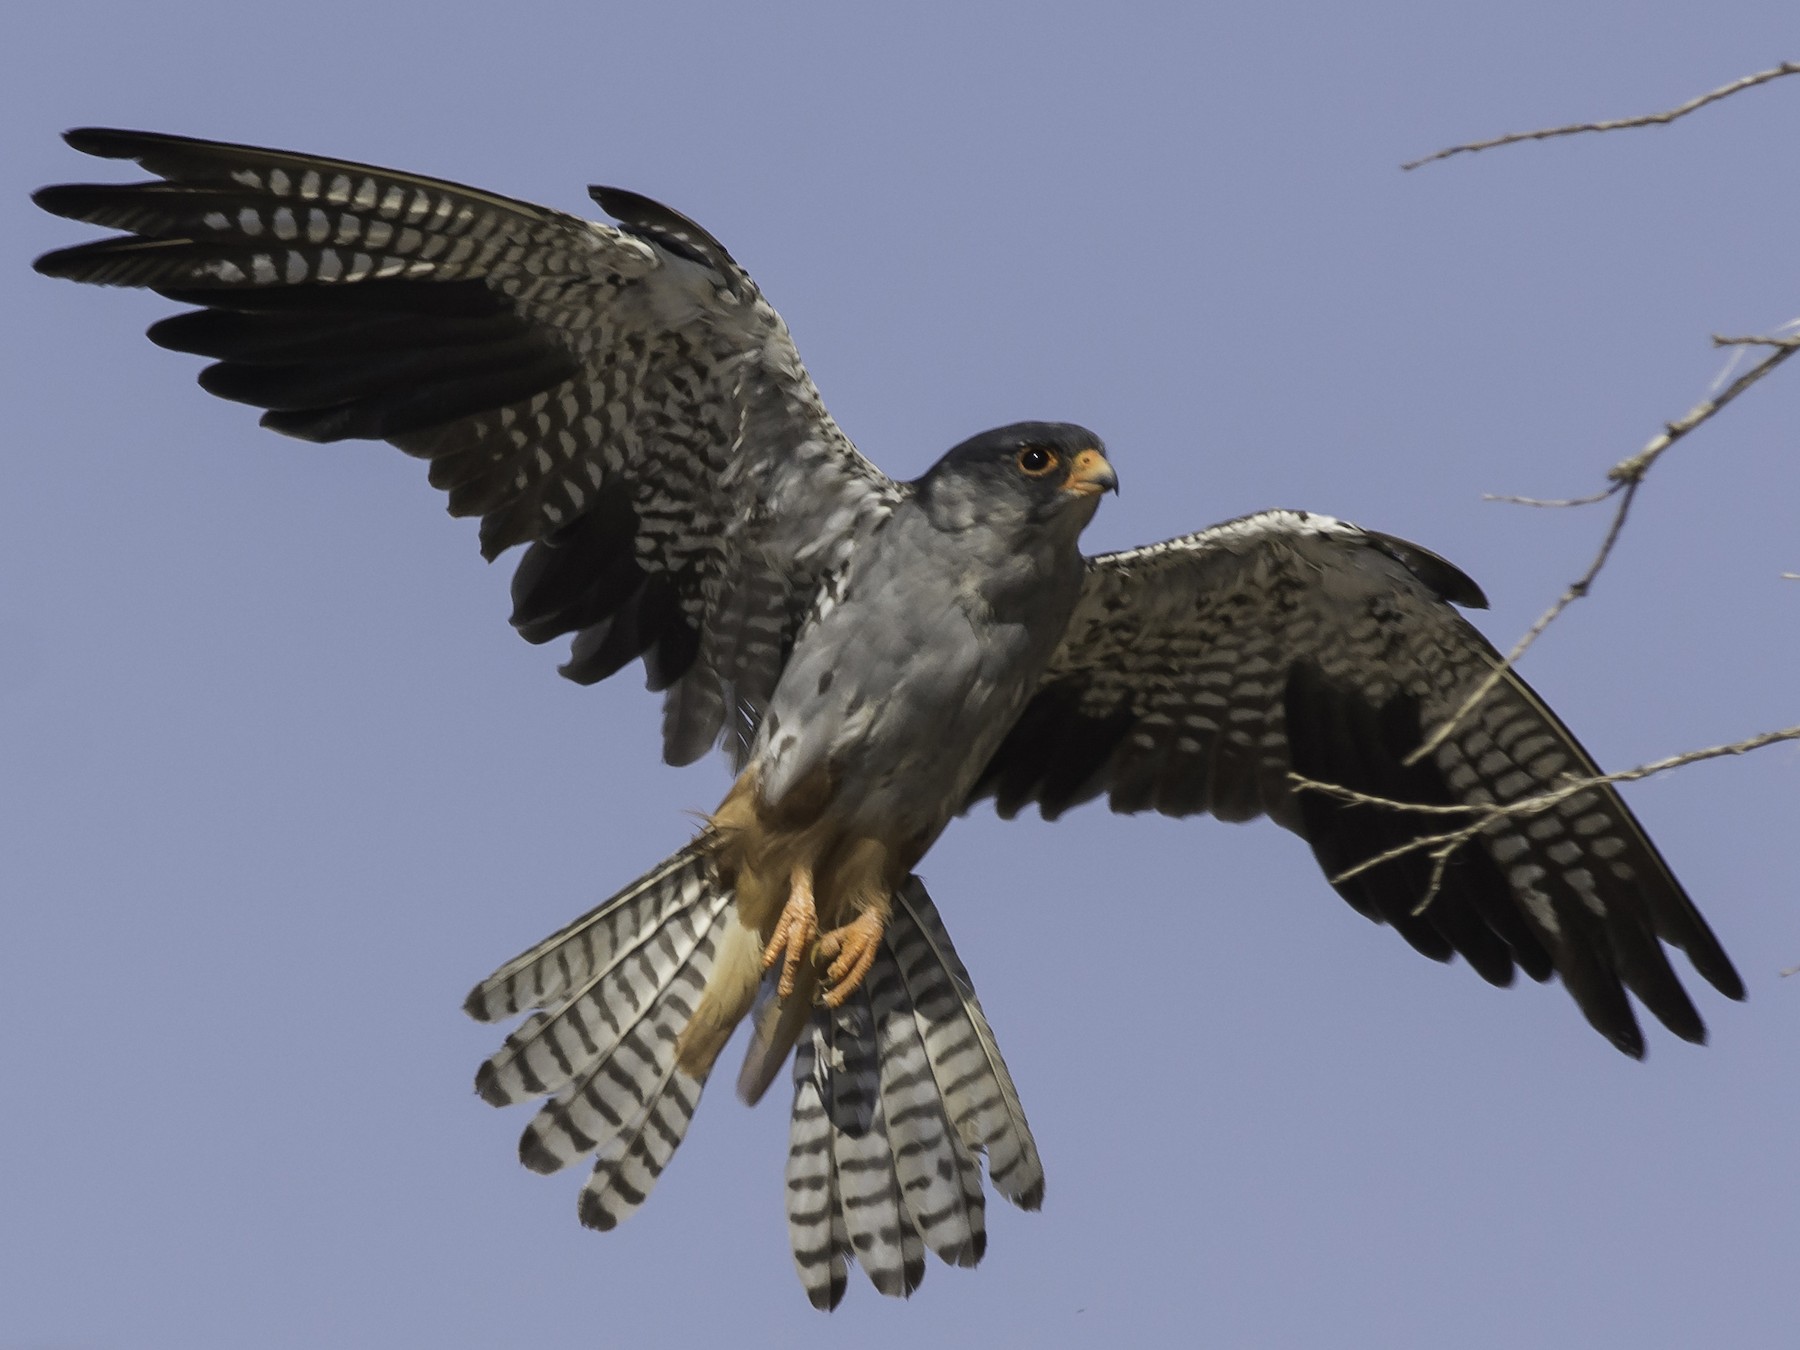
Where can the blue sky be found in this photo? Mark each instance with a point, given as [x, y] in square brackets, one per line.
[280, 784]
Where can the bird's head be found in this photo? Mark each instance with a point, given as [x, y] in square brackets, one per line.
[1036, 473]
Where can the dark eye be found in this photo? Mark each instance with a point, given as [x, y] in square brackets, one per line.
[1035, 461]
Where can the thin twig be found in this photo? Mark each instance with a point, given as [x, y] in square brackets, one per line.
[1575, 591]
[1638, 464]
[1588, 500]
[1755, 341]
[1442, 846]
[1350, 796]
[1538, 802]
[1627, 476]
[1649, 119]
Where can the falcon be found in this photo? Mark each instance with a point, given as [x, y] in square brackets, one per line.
[875, 657]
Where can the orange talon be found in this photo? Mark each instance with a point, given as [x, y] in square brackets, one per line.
[794, 932]
[854, 947]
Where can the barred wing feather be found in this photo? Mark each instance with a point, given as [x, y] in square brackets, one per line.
[618, 397]
[1198, 674]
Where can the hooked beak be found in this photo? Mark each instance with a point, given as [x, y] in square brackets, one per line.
[1090, 475]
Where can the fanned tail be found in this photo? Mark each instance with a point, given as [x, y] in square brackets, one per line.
[896, 1095]
[610, 995]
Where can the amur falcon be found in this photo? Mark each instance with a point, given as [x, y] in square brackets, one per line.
[875, 657]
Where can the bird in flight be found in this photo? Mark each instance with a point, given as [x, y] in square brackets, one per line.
[875, 657]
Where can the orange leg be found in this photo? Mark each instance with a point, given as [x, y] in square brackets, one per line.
[851, 951]
[794, 930]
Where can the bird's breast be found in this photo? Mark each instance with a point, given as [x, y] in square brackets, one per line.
[905, 688]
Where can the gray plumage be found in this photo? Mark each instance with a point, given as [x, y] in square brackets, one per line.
[875, 656]
[922, 652]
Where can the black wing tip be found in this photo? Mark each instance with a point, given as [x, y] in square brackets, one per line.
[1500, 977]
[664, 225]
[606, 198]
[577, 673]
[1625, 1036]
[177, 333]
[117, 260]
[1693, 1035]
[110, 142]
[1681, 1018]
[70, 201]
[1716, 969]
[126, 143]
[1444, 577]
[67, 200]
[634, 208]
[59, 262]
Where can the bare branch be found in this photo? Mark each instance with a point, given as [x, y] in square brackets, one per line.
[1541, 801]
[1575, 591]
[1441, 847]
[1633, 469]
[1301, 783]
[1588, 500]
[1624, 480]
[1649, 119]
[1743, 747]
[1626, 477]
[1755, 341]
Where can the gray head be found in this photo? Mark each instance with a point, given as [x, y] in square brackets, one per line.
[1029, 474]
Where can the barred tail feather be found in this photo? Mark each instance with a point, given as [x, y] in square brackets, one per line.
[882, 1236]
[541, 976]
[896, 1094]
[612, 1098]
[939, 1179]
[630, 1163]
[552, 1048]
[816, 1228]
[613, 992]
[978, 1092]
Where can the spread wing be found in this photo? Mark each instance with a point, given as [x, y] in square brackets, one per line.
[619, 398]
[1198, 673]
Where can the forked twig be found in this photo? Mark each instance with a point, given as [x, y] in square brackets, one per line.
[1482, 816]
[1627, 476]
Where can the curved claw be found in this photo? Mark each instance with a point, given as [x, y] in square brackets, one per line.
[794, 933]
[851, 951]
